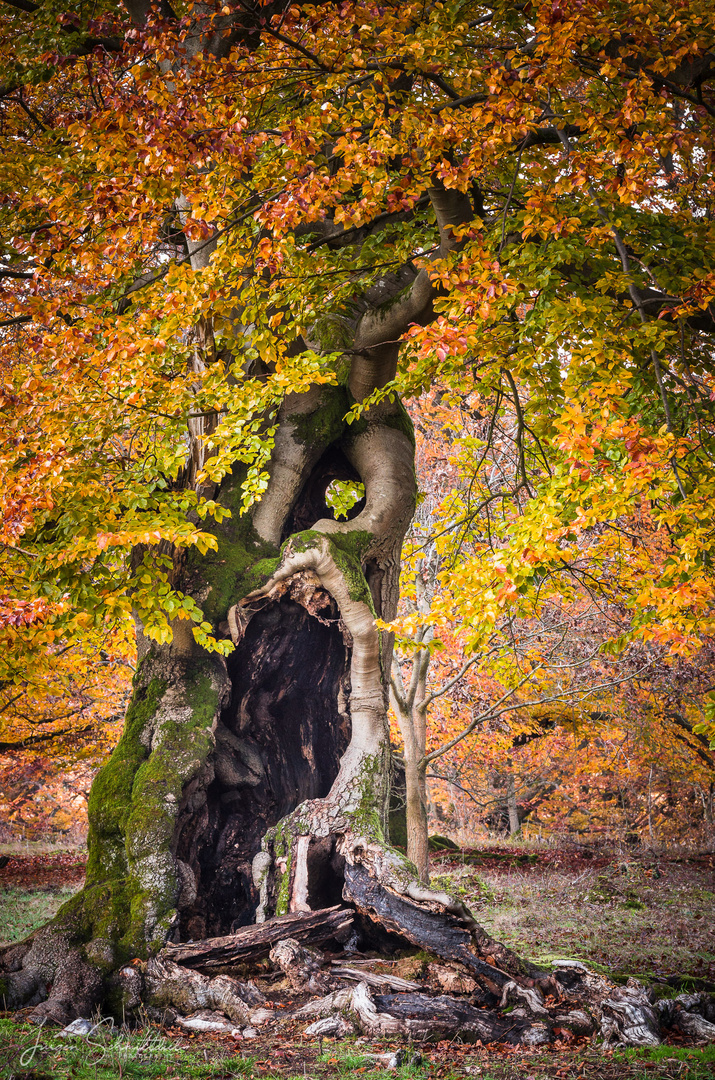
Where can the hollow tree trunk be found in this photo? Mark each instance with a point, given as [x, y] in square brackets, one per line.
[247, 787]
[191, 832]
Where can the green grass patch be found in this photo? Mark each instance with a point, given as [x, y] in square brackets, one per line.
[23, 910]
[622, 920]
[39, 1054]
[692, 1063]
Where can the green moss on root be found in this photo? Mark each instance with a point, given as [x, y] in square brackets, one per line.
[347, 551]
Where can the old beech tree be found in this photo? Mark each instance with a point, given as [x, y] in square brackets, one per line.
[233, 235]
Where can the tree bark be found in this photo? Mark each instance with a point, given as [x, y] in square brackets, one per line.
[252, 943]
[512, 808]
[417, 824]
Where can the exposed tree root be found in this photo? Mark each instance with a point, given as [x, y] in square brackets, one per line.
[572, 1000]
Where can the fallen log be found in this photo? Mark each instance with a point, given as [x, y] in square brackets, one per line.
[251, 943]
[421, 1017]
[435, 1018]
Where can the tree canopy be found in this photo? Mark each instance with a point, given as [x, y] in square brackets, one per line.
[528, 187]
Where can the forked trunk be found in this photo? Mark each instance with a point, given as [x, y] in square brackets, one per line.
[258, 786]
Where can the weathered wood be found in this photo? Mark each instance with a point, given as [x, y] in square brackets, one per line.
[251, 943]
[422, 1017]
[434, 1018]
[169, 986]
[437, 932]
[300, 966]
[372, 978]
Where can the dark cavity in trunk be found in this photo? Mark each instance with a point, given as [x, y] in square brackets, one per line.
[278, 743]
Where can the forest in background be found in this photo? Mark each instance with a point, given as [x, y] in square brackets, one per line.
[561, 400]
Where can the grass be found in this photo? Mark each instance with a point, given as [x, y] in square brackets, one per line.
[622, 917]
[23, 910]
[36, 1054]
[28, 1053]
[42, 847]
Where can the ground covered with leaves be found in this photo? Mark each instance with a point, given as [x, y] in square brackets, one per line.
[27, 1053]
[646, 915]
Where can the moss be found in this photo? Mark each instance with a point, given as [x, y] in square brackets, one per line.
[281, 838]
[185, 741]
[131, 885]
[365, 818]
[354, 543]
[303, 541]
[326, 422]
[442, 843]
[347, 551]
[110, 798]
[242, 563]
[283, 896]
[397, 418]
[398, 826]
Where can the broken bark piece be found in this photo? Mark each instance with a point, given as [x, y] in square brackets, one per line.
[625, 1013]
[445, 1017]
[530, 998]
[438, 932]
[208, 1020]
[695, 1026]
[578, 1021]
[331, 1027]
[327, 1006]
[300, 966]
[692, 1014]
[449, 980]
[251, 943]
